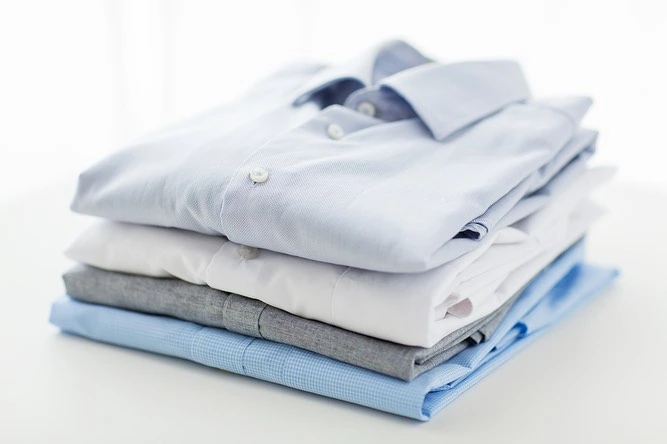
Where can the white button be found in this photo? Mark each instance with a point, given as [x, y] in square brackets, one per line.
[259, 174]
[247, 252]
[335, 131]
[367, 108]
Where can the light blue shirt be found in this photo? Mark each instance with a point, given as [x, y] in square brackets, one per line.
[554, 293]
[376, 163]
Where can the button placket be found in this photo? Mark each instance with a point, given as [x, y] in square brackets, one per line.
[335, 131]
[259, 174]
[248, 253]
[367, 108]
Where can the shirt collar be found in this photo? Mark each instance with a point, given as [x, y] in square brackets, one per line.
[366, 69]
[449, 97]
[446, 97]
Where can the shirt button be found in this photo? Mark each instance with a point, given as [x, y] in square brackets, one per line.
[259, 174]
[247, 252]
[367, 108]
[335, 131]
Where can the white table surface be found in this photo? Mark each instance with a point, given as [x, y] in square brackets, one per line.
[599, 376]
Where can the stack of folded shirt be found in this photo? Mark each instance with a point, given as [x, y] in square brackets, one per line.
[386, 231]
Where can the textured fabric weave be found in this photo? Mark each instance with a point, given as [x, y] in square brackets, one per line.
[557, 291]
[213, 308]
[294, 167]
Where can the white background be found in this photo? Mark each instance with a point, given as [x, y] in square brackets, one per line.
[79, 78]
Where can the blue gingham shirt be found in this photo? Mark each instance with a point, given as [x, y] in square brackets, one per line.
[376, 163]
[555, 292]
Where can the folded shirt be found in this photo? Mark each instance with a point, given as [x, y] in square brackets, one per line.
[554, 293]
[390, 162]
[213, 308]
[417, 309]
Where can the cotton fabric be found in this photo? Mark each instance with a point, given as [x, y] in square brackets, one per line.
[450, 152]
[411, 309]
[212, 308]
[558, 290]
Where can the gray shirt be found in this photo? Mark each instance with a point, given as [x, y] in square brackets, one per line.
[214, 308]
